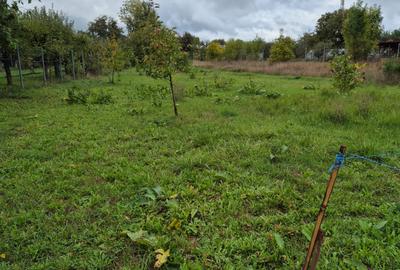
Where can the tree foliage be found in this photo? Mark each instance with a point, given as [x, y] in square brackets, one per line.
[105, 27]
[8, 30]
[346, 75]
[190, 44]
[362, 30]
[330, 28]
[282, 50]
[164, 57]
[140, 18]
[113, 57]
[215, 51]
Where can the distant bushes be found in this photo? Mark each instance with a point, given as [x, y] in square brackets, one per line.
[391, 70]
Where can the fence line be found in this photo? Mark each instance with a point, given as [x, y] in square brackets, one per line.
[54, 66]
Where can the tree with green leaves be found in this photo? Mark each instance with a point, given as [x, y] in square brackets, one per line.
[50, 31]
[329, 28]
[190, 44]
[140, 17]
[282, 50]
[8, 31]
[346, 74]
[113, 58]
[105, 28]
[215, 51]
[164, 57]
[362, 30]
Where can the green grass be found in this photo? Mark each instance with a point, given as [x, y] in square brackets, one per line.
[239, 172]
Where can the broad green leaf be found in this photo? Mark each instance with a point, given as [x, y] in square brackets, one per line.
[279, 241]
[380, 225]
[142, 238]
[306, 232]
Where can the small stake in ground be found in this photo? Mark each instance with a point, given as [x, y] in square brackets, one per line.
[314, 248]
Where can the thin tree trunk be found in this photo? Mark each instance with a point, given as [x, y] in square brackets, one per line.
[171, 85]
[7, 69]
[57, 70]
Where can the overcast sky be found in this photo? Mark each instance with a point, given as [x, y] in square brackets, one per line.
[245, 19]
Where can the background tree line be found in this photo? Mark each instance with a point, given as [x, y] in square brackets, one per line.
[47, 39]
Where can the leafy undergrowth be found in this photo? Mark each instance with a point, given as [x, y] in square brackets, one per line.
[234, 183]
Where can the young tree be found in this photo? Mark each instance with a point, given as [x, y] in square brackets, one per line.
[164, 57]
[113, 58]
[346, 75]
[282, 50]
[139, 16]
[362, 30]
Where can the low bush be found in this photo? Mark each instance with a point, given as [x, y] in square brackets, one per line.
[252, 88]
[102, 98]
[222, 83]
[309, 87]
[155, 93]
[77, 96]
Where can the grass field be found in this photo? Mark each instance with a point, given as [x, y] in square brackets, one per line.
[234, 183]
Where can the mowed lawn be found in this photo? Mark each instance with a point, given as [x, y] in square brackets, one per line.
[235, 182]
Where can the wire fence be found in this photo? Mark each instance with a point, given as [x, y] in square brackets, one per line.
[43, 66]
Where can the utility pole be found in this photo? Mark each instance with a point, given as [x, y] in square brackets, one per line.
[342, 4]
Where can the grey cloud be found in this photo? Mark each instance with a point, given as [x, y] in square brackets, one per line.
[244, 19]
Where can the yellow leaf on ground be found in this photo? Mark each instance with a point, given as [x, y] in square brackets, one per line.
[161, 257]
[174, 225]
[2, 255]
[174, 196]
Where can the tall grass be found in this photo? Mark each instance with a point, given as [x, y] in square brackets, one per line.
[373, 70]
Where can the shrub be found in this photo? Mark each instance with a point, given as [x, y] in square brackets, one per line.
[309, 87]
[135, 112]
[221, 82]
[155, 93]
[102, 98]
[77, 96]
[282, 50]
[252, 88]
[391, 70]
[346, 75]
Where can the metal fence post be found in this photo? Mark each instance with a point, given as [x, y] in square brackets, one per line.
[60, 67]
[21, 80]
[73, 65]
[83, 64]
[44, 68]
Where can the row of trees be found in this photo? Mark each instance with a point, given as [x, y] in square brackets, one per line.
[46, 38]
[50, 41]
[357, 30]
